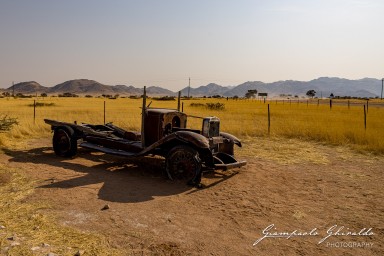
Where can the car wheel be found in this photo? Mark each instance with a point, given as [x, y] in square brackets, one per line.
[64, 142]
[183, 163]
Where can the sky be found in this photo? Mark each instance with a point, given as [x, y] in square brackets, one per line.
[163, 43]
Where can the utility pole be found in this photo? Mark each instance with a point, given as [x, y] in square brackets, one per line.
[189, 86]
[382, 84]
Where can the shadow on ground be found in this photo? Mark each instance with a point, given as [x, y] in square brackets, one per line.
[123, 180]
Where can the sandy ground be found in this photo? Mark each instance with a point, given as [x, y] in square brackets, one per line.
[150, 215]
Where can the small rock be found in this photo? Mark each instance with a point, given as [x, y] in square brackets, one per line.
[12, 238]
[45, 245]
[2, 227]
[14, 243]
[51, 254]
[36, 248]
[79, 253]
[106, 207]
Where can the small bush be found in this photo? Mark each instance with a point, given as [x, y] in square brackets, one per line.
[41, 104]
[6, 123]
[165, 98]
[197, 105]
[216, 106]
[211, 106]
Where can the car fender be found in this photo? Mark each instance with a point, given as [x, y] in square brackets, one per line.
[193, 138]
[231, 138]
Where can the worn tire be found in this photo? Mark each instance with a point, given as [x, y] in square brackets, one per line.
[64, 142]
[183, 163]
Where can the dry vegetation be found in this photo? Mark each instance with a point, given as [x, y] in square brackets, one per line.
[26, 230]
[339, 126]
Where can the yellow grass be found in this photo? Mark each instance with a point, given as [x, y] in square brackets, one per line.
[27, 230]
[339, 126]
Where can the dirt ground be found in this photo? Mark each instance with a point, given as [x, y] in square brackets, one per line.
[149, 215]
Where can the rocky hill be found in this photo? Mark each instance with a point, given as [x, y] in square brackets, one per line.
[30, 87]
[324, 86]
[206, 90]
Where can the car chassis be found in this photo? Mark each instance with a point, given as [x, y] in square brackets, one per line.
[187, 152]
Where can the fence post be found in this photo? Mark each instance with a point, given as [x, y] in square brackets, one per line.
[104, 112]
[330, 104]
[34, 111]
[365, 119]
[269, 121]
[178, 100]
[182, 106]
[318, 102]
[367, 106]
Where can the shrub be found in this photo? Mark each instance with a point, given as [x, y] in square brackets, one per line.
[165, 98]
[216, 106]
[197, 105]
[41, 104]
[6, 123]
[211, 106]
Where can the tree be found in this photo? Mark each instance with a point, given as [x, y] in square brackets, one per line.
[311, 93]
[250, 94]
[43, 94]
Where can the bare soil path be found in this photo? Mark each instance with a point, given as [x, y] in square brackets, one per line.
[153, 216]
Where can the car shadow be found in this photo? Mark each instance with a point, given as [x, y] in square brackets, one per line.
[124, 180]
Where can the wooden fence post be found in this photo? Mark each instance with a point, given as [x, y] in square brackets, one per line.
[178, 100]
[330, 104]
[34, 111]
[365, 119]
[269, 121]
[104, 112]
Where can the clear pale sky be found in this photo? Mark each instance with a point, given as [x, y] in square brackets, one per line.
[163, 42]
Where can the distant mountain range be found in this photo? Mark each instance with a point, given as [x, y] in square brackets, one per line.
[324, 86]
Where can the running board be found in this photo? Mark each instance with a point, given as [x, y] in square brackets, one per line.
[107, 150]
[225, 161]
[226, 167]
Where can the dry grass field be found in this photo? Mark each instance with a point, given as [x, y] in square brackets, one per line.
[341, 125]
[316, 168]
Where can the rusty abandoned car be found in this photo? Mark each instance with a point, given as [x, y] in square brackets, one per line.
[187, 152]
